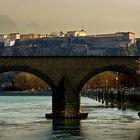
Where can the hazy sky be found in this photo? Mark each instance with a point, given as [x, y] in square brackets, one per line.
[45, 16]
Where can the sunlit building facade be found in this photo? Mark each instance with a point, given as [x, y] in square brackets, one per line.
[118, 44]
[75, 33]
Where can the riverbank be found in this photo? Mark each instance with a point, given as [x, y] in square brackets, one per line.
[25, 93]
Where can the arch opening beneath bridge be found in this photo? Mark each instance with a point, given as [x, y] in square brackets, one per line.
[110, 79]
[111, 68]
[113, 77]
[10, 93]
[30, 70]
[23, 83]
[27, 69]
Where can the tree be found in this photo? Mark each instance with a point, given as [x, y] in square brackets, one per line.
[27, 81]
[108, 79]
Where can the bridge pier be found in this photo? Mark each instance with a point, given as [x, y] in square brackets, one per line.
[99, 96]
[112, 99]
[119, 105]
[106, 97]
[66, 103]
[102, 97]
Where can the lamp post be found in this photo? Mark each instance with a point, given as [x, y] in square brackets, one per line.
[106, 92]
[116, 78]
[118, 92]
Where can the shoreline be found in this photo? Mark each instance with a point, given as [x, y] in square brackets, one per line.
[25, 93]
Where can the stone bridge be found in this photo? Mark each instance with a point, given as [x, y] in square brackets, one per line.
[67, 76]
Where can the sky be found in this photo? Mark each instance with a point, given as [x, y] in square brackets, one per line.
[46, 16]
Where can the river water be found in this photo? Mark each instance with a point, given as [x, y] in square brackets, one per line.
[22, 118]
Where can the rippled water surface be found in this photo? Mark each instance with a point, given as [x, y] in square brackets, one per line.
[22, 118]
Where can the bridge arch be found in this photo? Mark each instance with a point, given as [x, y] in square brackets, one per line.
[31, 70]
[116, 68]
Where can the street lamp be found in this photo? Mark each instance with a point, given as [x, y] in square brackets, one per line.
[106, 83]
[117, 83]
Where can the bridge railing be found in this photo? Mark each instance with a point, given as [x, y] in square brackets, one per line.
[115, 97]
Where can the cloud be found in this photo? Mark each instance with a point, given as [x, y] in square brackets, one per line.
[6, 22]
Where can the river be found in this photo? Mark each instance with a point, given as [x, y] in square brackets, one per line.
[22, 118]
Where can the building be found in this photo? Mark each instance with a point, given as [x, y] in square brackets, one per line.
[138, 46]
[9, 43]
[123, 43]
[75, 33]
[96, 51]
[79, 49]
[14, 36]
[3, 37]
[32, 36]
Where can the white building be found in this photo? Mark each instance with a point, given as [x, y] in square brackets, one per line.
[9, 43]
[75, 33]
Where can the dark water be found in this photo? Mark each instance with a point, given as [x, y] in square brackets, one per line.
[22, 118]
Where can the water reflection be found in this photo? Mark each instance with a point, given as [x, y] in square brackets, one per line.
[67, 127]
[23, 118]
[139, 136]
[66, 124]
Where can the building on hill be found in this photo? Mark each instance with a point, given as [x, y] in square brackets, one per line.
[92, 51]
[122, 42]
[9, 43]
[138, 46]
[75, 33]
[3, 37]
[14, 36]
[32, 36]
[117, 44]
